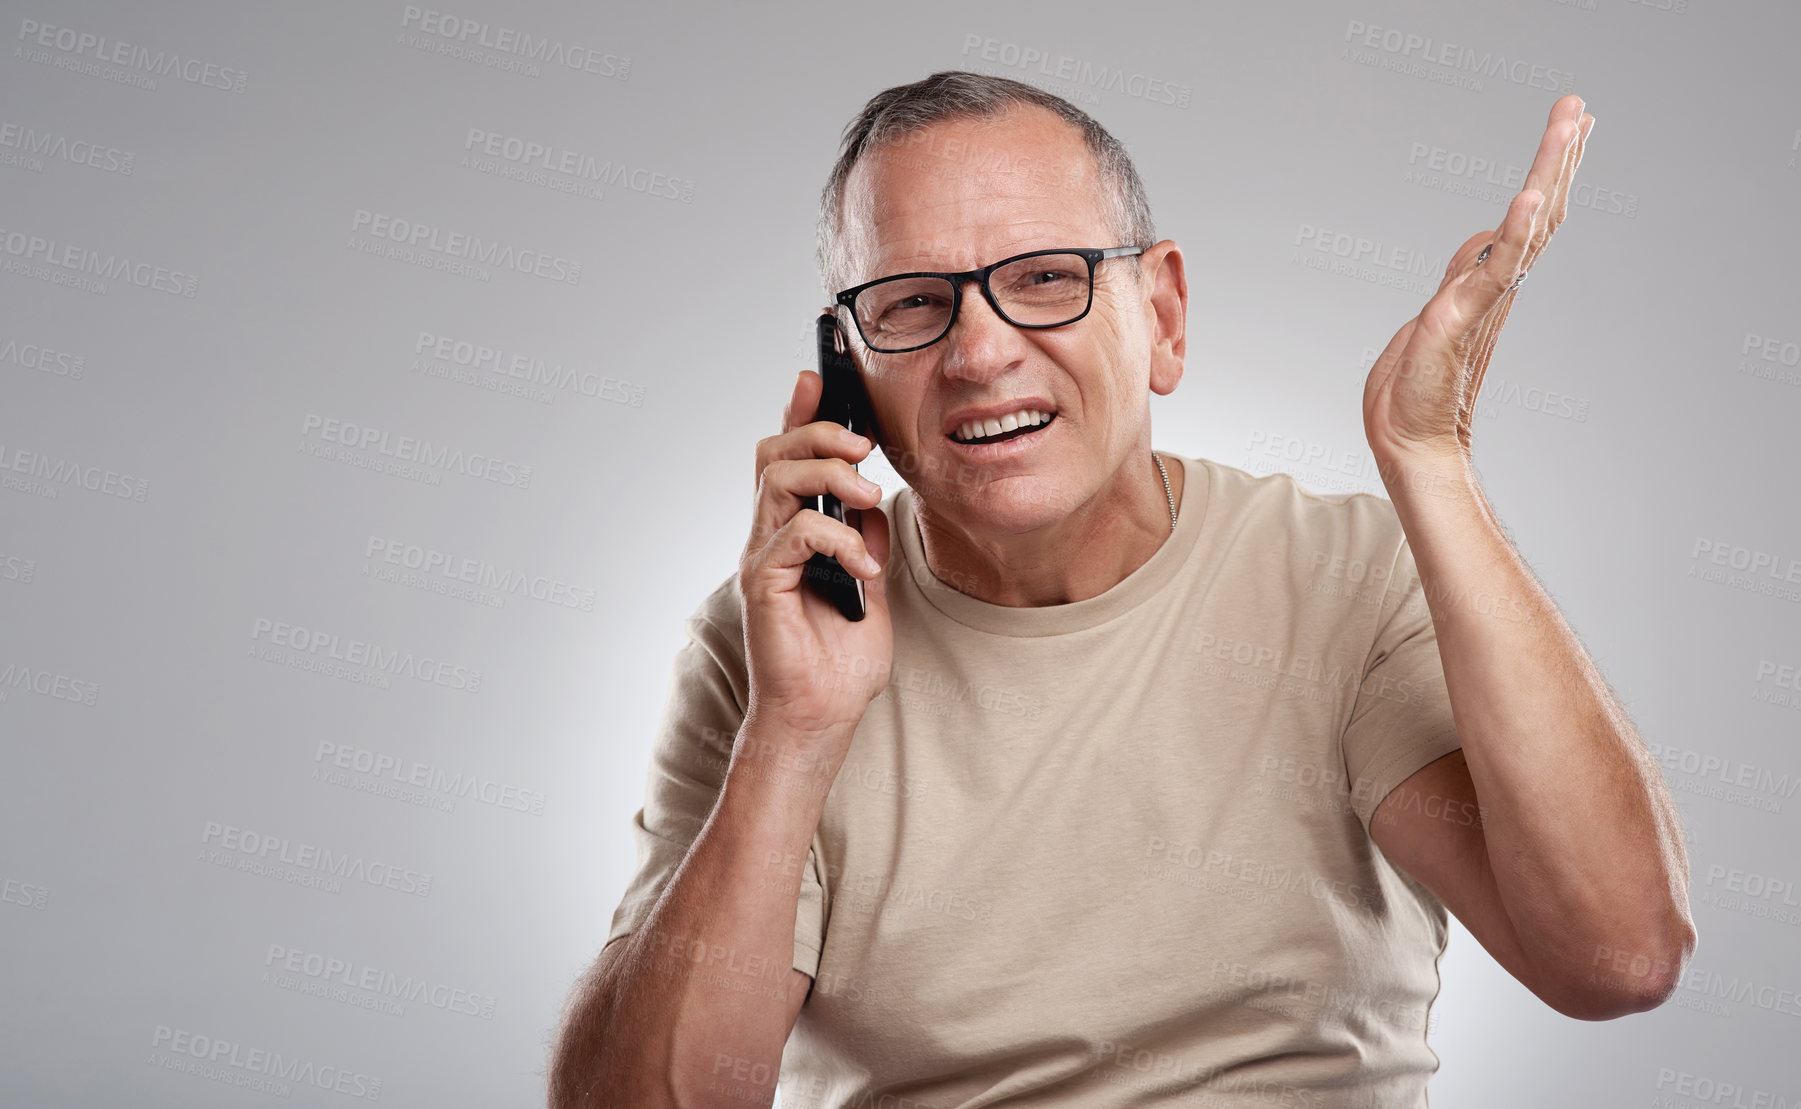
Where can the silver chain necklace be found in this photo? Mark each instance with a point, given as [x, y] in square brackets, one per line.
[1166, 492]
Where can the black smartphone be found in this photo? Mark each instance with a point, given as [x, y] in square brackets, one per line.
[842, 401]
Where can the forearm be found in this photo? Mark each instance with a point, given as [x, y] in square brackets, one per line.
[709, 974]
[1580, 829]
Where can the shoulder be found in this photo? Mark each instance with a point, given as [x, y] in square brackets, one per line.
[1276, 505]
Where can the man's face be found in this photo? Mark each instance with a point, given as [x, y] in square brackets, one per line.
[961, 195]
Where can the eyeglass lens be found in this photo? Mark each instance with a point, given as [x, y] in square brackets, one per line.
[1043, 291]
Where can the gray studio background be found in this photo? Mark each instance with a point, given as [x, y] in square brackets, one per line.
[253, 452]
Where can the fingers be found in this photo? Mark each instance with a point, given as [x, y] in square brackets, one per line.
[787, 482]
[1583, 126]
[873, 526]
[1547, 163]
[803, 404]
[1554, 169]
[1558, 195]
[793, 545]
[1467, 256]
[1473, 300]
[816, 439]
[1513, 246]
[1484, 283]
[1484, 345]
[1465, 259]
[800, 465]
[1561, 129]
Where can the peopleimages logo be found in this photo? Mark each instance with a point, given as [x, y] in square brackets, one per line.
[127, 56]
[430, 563]
[57, 474]
[15, 892]
[45, 359]
[382, 772]
[256, 1068]
[525, 368]
[407, 448]
[1357, 248]
[47, 683]
[1773, 359]
[1406, 47]
[415, 235]
[307, 642]
[34, 145]
[328, 975]
[460, 34]
[263, 853]
[529, 154]
[1082, 73]
[78, 261]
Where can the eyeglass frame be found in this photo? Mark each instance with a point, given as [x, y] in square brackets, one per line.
[1092, 255]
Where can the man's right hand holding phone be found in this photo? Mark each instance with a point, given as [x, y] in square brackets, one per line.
[812, 673]
[653, 1024]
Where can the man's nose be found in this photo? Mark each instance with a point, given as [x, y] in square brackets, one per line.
[980, 342]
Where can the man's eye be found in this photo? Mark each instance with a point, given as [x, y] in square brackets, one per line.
[1052, 275]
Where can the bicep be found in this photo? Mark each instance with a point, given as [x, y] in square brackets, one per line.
[1430, 826]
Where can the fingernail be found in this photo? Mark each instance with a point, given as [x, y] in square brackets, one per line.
[868, 486]
[853, 438]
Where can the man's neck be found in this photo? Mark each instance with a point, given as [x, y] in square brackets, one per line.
[1084, 555]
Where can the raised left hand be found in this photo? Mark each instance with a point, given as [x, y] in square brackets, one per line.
[1420, 399]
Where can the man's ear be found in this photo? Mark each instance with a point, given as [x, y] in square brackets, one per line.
[1166, 308]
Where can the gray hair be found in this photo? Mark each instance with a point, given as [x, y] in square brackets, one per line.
[946, 95]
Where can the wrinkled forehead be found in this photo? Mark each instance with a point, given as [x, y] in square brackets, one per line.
[962, 193]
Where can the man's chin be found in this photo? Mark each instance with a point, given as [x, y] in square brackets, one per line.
[999, 505]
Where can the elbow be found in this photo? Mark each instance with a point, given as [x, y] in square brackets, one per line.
[571, 1086]
[589, 1080]
[1609, 1003]
[1622, 981]
[578, 1080]
[584, 1059]
[598, 1064]
[582, 1085]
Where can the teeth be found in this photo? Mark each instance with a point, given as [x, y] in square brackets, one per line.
[1012, 421]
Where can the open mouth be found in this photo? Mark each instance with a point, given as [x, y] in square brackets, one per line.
[1019, 432]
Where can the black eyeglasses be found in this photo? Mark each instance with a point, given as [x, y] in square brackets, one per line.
[1038, 289]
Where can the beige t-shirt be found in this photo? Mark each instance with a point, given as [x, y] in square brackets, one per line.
[1111, 853]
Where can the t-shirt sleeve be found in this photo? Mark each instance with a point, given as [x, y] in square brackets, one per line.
[1401, 719]
[688, 760]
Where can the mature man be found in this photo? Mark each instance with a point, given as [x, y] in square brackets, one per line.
[1143, 779]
